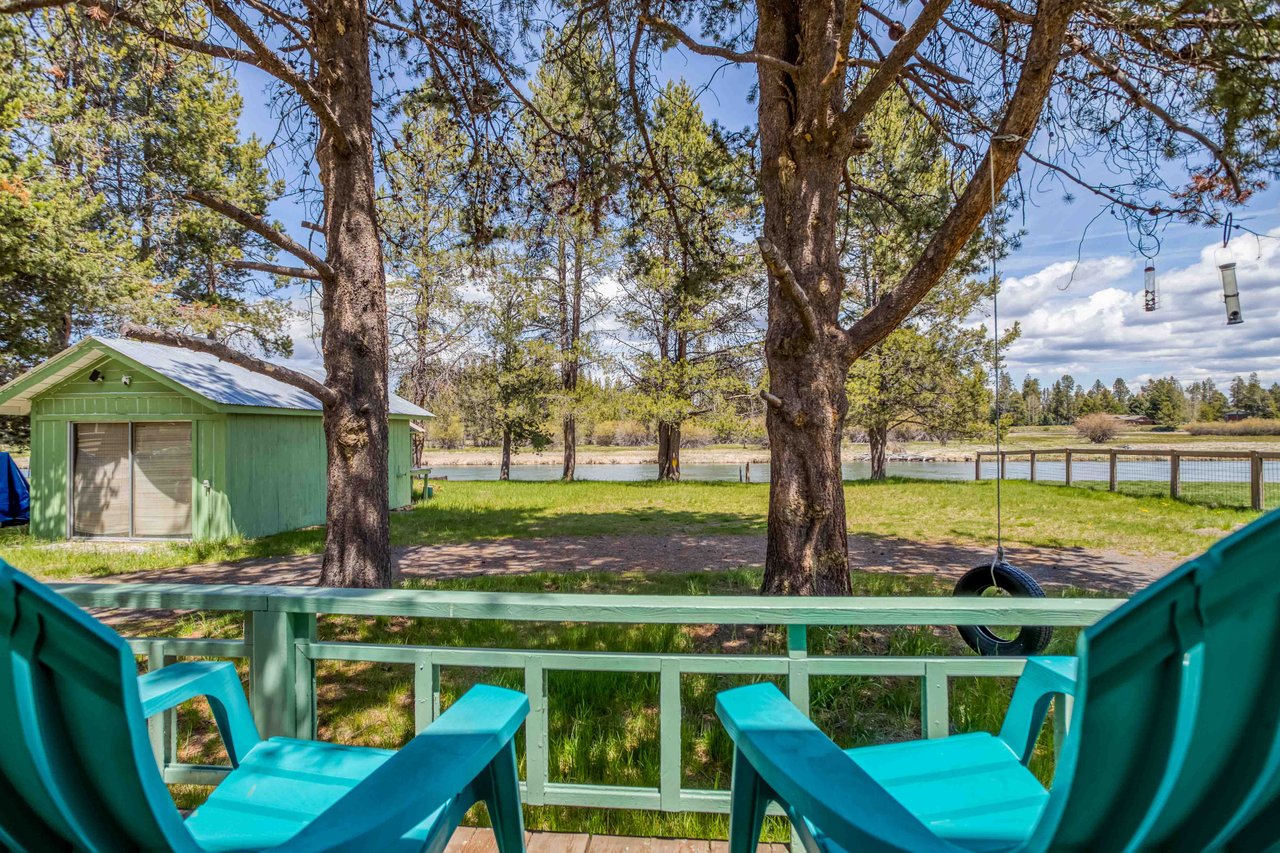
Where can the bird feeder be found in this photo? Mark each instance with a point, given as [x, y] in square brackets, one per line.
[1150, 298]
[1231, 293]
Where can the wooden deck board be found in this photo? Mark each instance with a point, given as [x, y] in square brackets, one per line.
[469, 839]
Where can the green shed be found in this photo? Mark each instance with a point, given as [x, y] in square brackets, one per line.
[135, 440]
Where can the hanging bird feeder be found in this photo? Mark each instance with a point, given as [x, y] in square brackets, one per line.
[1230, 287]
[1150, 296]
[1231, 293]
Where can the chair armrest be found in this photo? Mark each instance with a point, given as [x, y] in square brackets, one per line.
[1041, 680]
[217, 681]
[813, 779]
[437, 765]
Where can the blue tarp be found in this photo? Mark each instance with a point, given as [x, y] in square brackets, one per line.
[15, 497]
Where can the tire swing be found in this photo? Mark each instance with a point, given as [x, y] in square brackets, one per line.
[999, 577]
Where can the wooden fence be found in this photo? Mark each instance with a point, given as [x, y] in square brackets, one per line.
[1219, 477]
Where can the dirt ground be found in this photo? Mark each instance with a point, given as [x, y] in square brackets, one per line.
[1061, 567]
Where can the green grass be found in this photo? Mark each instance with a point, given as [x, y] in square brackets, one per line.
[604, 726]
[1037, 515]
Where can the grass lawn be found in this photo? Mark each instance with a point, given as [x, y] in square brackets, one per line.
[604, 726]
[925, 511]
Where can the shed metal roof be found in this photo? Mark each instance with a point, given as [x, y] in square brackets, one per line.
[206, 375]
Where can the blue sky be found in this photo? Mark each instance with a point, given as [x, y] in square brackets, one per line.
[1085, 319]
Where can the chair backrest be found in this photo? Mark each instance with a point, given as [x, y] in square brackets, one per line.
[76, 768]
[1175, 739]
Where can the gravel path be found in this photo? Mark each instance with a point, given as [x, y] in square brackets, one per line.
[683, 553]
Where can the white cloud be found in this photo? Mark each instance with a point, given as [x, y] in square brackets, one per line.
[1092, 324]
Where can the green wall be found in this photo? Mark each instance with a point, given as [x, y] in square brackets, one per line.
[252, 474]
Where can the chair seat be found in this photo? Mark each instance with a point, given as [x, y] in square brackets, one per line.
[970, 789]
[281, 786]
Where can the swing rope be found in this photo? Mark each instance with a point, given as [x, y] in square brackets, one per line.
[995, 337]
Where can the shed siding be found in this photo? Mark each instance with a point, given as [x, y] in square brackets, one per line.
[276, 472]
[211, 505]
[49, 479]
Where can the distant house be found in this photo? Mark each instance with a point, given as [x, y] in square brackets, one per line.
[1234, 415]
[135, 440]
[1136, 420]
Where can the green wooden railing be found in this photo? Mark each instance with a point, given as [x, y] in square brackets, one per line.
[281, 647]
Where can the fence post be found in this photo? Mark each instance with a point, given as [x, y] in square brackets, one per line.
[1175, 474]
[1067, 467]
[278, 683]
[935, 715]
[1111, 478]
[977, 465]
[1255, 480]
[1003, 461]
[1033, 466]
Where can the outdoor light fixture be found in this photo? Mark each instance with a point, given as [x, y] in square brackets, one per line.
[127, 380]
[1231, 293]
[1150, 299]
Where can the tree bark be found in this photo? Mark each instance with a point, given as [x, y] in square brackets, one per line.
[669, 451]
[569, 429]
[571, 286]
[354, 342]
[806, 136]
[878, 439]
[504, 467]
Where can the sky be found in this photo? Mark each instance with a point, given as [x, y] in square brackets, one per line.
[1074, 285]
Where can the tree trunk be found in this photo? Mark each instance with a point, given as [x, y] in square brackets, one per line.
[878, 438]
[668, 451]
[504, 467]
[354, 342]
[570, 431]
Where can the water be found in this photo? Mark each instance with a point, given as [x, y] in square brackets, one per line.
[1136, 470]
[715, 473]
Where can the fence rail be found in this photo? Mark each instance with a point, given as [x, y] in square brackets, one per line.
[1214, 477]
[281, 648]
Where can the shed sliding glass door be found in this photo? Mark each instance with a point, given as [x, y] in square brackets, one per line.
[131, 479]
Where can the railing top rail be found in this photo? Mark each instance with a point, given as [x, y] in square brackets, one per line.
[634, 609]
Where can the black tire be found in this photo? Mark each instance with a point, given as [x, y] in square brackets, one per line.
[1031, 640]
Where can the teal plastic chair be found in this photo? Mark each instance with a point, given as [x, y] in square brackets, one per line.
[77, 770]
[1174, 739]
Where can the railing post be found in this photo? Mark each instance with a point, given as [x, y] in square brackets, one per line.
[1067, 467]
[935, 713]
[798, 666]
[1175, 474]
[669, 735]
[1062, 706]
[281, 676]
[535, 733]
[426, 691]
[163, 727]
[1111, 474]
[1033, 466]
[1255, 481]
[977, 465]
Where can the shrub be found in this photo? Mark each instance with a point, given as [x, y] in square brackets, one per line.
[1098, 427]
[604, 433]
[1248, 426]
[695, 435]
[630, 434]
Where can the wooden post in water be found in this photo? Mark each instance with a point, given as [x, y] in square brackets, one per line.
[1255, 481]
[1175, 474]
[1033, 466]
[1111, 479]
[748, 471]
[1067, 468]
[977, 465]
[1003, 461]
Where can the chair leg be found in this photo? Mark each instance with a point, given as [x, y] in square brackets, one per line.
[748, 800]
[501, 795]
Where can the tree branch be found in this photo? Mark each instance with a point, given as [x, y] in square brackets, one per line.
[275, 269]
[1022, 114]
[1117, 76]
[786, 277]
[887, 74]
[298, 380]
[262, 229]
[657, 23]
